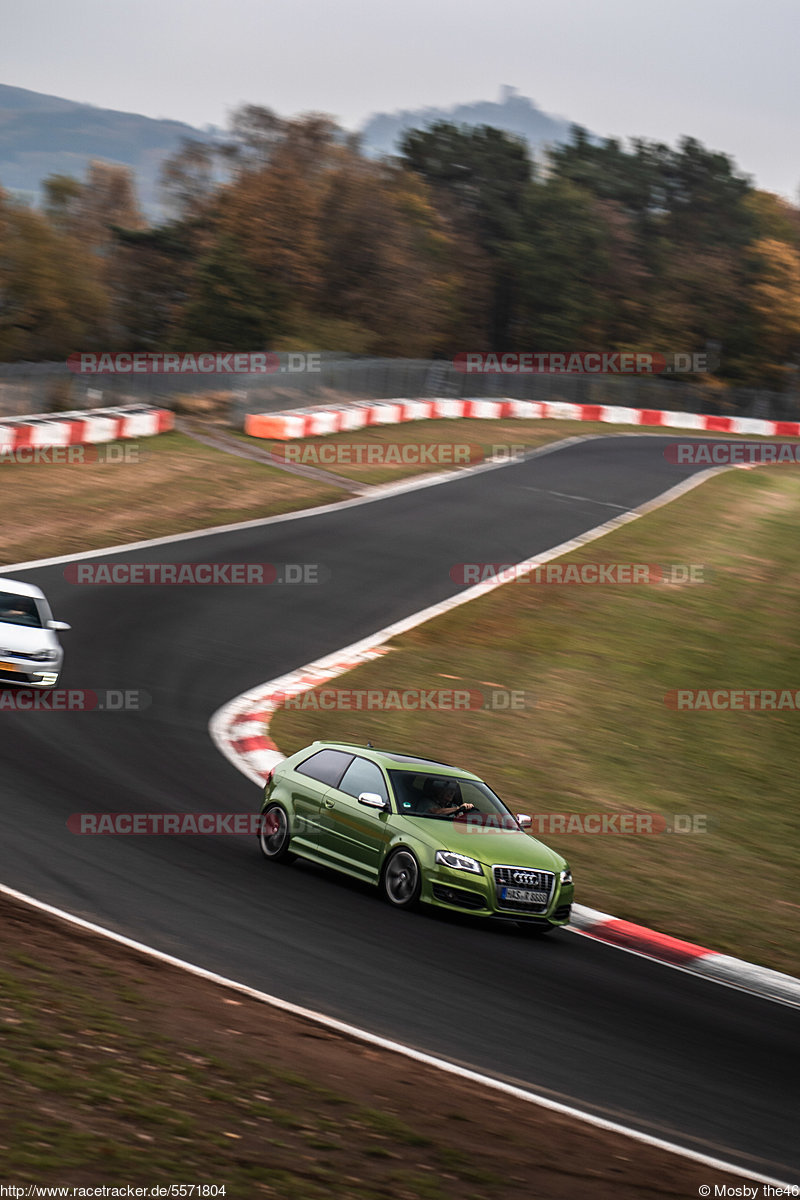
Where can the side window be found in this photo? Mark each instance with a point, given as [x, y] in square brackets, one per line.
[326, 766]
[363, 776]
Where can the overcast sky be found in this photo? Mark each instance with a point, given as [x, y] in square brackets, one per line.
[725, 71]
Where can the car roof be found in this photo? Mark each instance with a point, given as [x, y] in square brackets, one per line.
[20, 588]
[392, 758]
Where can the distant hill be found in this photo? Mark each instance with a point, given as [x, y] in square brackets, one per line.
[44, 135]
[514, 113]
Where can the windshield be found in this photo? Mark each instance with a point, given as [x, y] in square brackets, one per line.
[438, 796]
[19, 610]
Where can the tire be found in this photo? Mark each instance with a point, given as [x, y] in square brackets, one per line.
[401, 880]
[274, 836]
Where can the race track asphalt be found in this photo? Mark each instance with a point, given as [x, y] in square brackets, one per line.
[613, 1033]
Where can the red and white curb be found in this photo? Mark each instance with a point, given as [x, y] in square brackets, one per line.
[239, 727]
[240, 730]
[698, 960]
[314, 422]
[81, 428]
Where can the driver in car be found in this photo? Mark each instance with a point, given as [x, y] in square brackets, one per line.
[447, 800]
[18, 608]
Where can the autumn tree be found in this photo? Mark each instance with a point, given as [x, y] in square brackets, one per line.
[283, 233]
[151, 285]
[776, 304]
[52, 300]
[686, 221]
[479, 177]
[190, 179]
[254, 134]
[563, 257]
[91, 210]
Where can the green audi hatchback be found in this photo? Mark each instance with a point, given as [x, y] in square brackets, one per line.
[421, 831]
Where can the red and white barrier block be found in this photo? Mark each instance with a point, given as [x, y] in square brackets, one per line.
[83, 428]
[313, 422]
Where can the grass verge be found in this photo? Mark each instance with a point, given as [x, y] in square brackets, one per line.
[162, 485]
[595, 664]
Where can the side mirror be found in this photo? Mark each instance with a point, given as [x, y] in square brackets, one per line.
[524, 821]
[58, 625]
[372, 800]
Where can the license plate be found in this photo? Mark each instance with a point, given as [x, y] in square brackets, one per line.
[524, 896]
[7, 666]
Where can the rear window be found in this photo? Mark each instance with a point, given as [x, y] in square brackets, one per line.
[326, 766]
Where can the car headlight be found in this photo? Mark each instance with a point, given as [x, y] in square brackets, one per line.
[566, 875]
[458, 862]
[43, 656]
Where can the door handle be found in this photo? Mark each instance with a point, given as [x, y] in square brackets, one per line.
[328, 803]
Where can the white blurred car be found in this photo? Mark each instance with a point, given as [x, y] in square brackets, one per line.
[30, 652]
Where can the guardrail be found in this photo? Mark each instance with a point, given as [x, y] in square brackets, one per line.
[49, 387]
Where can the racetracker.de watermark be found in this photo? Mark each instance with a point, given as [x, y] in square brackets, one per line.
[725, 454]
[59, 456]
[207, 363]
[583, 362]
[592, 824]
[195, 574]
[598, 573]
[495, 699]
[165, 824]
[340, 454]
[22, 699]
[733, 700]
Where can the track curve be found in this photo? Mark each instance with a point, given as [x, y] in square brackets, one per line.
[610, 1032]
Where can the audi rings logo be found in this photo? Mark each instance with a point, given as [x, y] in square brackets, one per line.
[526, 877]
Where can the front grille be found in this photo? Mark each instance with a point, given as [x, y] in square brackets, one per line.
[541, 885]
[16, 677]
